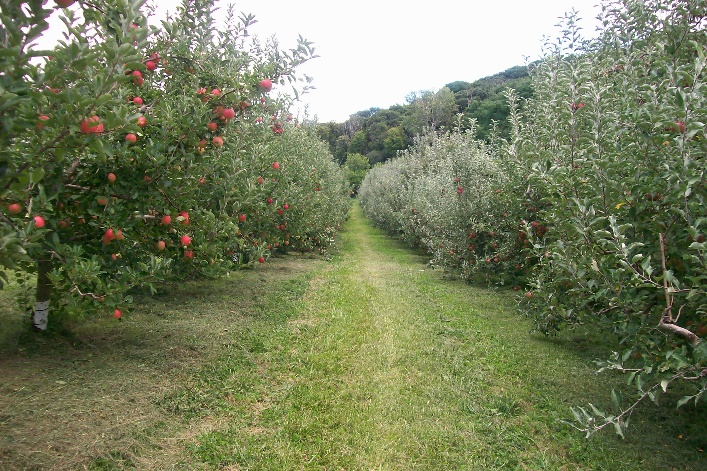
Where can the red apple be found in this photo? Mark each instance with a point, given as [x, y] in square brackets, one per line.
[117, 314]
[188, 255]
[166, 220]
[276, 165]
[109, 234]
[185, 218]
[185, 240]
[42, 117]
[266, 85]
[142, 121]
[212, 126]
[150, 65]
[14, 208]
[137, 100]
[228, 113]
[137, 77]
[161, 245]
[269, 201]
[261, 260]
[285, 206]
[91, 125]
[242, 217]
[216, 92]
[261, 180]
[217, 141]
[132, 138]
[119, 235]
[112, 178]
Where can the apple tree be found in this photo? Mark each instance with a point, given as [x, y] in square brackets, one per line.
[125, 149]
[616, 138]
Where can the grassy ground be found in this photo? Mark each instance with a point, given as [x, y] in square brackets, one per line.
[370, 361]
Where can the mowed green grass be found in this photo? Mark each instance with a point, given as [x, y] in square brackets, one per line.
[369, 361]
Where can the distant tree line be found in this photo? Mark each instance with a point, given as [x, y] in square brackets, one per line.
[379, 134]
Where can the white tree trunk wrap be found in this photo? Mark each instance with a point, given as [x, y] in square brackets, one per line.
[41, 314]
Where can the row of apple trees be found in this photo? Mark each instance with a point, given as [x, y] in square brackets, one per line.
[131, 154]
[595, 207]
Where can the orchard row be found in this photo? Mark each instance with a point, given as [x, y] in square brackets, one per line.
[134, 155]
[595, 208]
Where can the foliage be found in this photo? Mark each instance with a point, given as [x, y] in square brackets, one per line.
[380, 134]
[620, 175]
[452, 196]
[133, 155]
[603, 182]
[356, 167]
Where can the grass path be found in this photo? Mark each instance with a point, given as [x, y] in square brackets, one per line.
[371, 361]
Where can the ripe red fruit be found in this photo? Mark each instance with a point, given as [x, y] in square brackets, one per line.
[117, 314]
[91, 125]
[535, 224]
[242, 217]
[516, 288]
[529, 294]
[285, 206]
[150, 65]
[217, 141]
[137, 100]
[269, 201]
[14, 208]
[215, 92]
[137, 77]
[577, 106]
[261, 180]
[185, 218]
[119, 235]
[112, 178]
[132, 138]
[166, 220]
[266, 85]
[102, 200]
[258, 119]
[261, 260]
[276, 165]
[212, 126]
[42, 117]
[681, 126]
[460, 190]
[161, 245]
[202, 180]
[228, 113]
[109, 235]
[185, 240]
[142, 121]
[280, 212]
[188, 255]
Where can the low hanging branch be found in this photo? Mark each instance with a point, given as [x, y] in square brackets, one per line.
[667, 321]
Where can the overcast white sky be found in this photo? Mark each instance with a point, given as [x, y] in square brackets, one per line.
[374, 52]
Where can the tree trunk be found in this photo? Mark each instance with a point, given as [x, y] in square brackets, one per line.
[44, 291]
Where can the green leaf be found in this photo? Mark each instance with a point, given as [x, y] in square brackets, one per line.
[684, 401]
[616, 397]
[617, 428]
